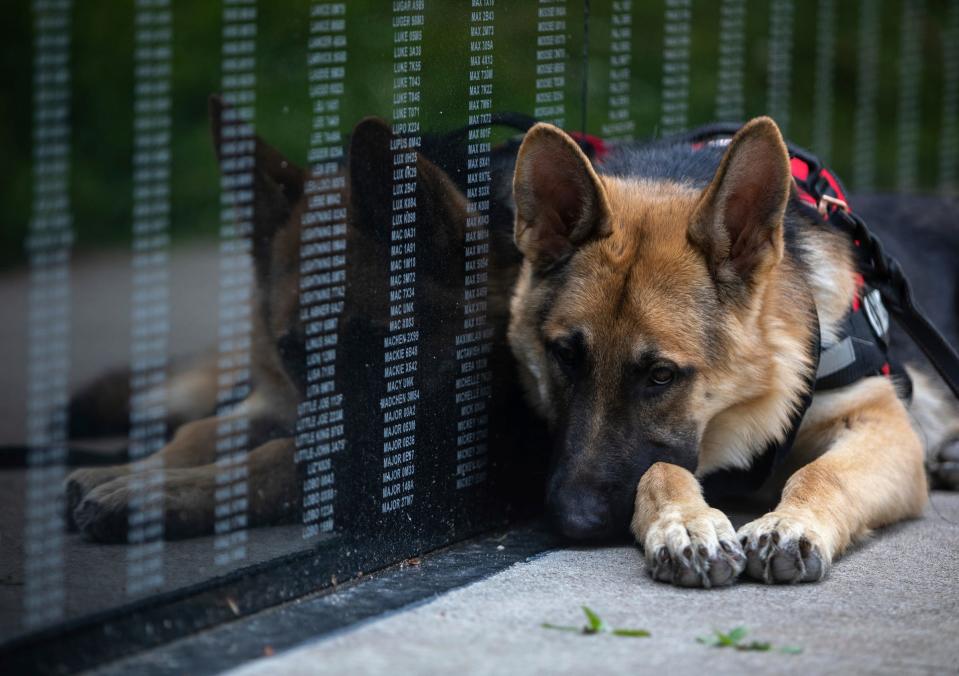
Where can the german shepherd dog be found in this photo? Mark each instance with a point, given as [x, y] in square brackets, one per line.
[662, 323]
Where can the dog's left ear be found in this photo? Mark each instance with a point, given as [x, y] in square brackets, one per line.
[738, 223]
[277, 182]
[560, 201]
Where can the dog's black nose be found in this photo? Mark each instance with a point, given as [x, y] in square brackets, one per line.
[582, 515]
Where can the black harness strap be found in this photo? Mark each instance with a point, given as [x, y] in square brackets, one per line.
[880, 271]
[883, 272]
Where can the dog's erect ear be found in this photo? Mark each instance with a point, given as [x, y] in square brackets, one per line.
[738, 223]
[560, 201]
[371, 176]
[440, 206]
[278, 183]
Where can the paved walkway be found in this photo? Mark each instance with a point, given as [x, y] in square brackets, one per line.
[891, 606]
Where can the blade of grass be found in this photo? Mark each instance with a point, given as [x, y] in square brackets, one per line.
[758, 646]
[596, 623]
[638, 633]
[547, 625]
[734, 638]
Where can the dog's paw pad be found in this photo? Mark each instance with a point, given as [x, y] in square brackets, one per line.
[781, 550]
[697, 550]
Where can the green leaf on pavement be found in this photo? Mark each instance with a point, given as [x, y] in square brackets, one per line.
[596, 624]
[758, 646]
[734, 639]
[637, 633]
[737, 634]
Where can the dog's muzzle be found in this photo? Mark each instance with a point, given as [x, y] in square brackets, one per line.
[584, 514]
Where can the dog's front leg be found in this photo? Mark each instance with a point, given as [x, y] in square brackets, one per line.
[870, 475]
[188, 496]
[686, 542]
[193, 445]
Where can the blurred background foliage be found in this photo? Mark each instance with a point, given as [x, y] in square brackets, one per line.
[102, 61]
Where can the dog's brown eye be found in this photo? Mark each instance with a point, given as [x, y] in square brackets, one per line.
[661, 375]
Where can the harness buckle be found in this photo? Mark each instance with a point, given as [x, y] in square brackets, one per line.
[826, 201]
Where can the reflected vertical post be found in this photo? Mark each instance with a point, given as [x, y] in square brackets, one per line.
[676, 45]
[551, 62]
[779, 65]
[401, 344]
[320, 429]
[910, 74]
[473, 344]
[49, 241]
[730, 98]
[619, 124]
[150, 303]
[867, 93]
[825, 60]
[237, 163]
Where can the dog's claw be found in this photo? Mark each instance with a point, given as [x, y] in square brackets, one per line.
[700, 551]
[779, 550]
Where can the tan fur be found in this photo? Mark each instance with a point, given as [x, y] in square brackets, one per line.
[672, 518]
[749, 400]
[640, 281]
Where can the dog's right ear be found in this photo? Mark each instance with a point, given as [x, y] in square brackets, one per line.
[560, 201]
[738, 223]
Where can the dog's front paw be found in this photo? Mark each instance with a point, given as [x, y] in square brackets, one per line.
[781, 548]
[102, 514]
[81, 483]
[945, 466]
[693, 548]
[182, 501]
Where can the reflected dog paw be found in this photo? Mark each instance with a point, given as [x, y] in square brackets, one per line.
[171, 503]
[102, 514]
[781, 549]
[80, 483]
[697, 549]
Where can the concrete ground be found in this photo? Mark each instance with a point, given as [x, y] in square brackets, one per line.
[890, 606]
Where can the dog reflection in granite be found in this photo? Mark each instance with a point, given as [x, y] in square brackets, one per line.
[184, 470]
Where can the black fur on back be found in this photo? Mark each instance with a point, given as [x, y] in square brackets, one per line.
[663, 161]
[680, 162]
